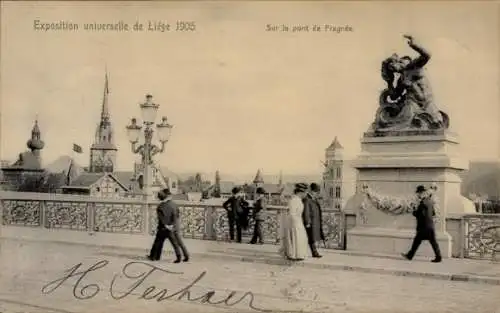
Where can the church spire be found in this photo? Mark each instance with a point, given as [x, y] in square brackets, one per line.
[103, 150]
[216, 192]
[105, 108]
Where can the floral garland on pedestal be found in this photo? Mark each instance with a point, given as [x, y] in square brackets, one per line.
[362, 211]
[389, 205]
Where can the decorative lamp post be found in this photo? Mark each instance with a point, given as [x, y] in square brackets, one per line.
[148, 149]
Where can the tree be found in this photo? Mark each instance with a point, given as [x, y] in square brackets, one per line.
[194, 184]
[198, 183]
[44, 182]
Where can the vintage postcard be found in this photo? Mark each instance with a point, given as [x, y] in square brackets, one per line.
[250, 156]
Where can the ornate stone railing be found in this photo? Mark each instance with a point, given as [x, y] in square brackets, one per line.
[132, 216]
[474, 235]
[481, 236]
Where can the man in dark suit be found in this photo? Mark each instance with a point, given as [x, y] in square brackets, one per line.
[236, 208]
[259, 211]
[169, 226]
[312, 219]
[425, 225]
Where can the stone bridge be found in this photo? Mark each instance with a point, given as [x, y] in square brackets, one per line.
[474, 235]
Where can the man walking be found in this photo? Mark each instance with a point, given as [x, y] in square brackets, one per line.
[259, 209]
[236, 209]
[312, 219]
[425, 225]
[169, 226]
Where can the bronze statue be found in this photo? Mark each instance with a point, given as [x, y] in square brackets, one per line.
[407, 102]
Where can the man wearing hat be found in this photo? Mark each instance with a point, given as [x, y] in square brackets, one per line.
[425, 225]
[259, 209]
[236, 208]
[312, 219]
[169, 226]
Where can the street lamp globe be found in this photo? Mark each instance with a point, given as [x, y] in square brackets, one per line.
[133, 131]
[149, 110]
[164, 130]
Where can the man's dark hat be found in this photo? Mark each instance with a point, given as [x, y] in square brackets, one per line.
[420, 188]
[315, 187]
[261, 191]
[235, 190]
[162, 194]
[301, 186]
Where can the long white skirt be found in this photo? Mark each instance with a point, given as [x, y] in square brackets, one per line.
[293, 238]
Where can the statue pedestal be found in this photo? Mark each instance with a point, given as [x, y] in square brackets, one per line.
[393, 165]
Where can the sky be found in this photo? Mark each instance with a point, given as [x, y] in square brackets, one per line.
[241, 97]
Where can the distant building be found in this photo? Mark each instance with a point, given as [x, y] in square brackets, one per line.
[26, 173]
[274, 192]
[219, 189]
[225, 188]
[339, 177]
[102, 185]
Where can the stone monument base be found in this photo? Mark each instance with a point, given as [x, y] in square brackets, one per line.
[391, 166]
[394, 241]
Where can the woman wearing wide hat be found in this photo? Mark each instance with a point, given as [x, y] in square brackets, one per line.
[294, 237]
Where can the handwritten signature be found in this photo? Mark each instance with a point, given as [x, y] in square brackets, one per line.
[139, 272]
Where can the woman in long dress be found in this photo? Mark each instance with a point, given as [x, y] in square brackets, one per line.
[294, 237]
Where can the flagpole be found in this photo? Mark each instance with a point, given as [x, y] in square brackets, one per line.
[68, 174]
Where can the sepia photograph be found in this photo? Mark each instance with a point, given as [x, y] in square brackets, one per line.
[250, 156]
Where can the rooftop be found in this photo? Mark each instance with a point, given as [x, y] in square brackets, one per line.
[335, 144]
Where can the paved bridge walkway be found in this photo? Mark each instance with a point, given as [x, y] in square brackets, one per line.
[339, 282]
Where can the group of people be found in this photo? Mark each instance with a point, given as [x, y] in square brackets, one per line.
[238, 214]
[301, 227]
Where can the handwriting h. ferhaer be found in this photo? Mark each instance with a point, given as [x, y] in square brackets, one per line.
[138, 272]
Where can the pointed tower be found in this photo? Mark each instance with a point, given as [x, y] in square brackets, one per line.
[103, 150]
[280, 179]
[333, 174]
[216, 192]
[35, 144]
[258, 180]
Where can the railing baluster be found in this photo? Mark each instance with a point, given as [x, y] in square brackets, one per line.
[463, 240]
[43, 214]
[91, 217]
[145, 215]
